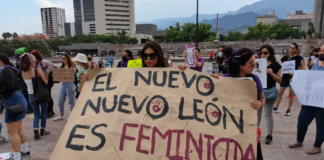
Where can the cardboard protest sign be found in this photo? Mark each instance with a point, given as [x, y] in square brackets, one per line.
[308, 87]
[190, 59]
[139, 114]
[63, 74]
[136, 63]
[288, 67]
[260, 70]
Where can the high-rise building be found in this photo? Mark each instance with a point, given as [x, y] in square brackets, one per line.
[319, 16]
[69, 29]
[104, 16]
[53, 20]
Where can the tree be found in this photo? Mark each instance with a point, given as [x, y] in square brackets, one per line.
[15, 35]
[187, 32]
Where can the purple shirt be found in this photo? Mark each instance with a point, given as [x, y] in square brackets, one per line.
[199, 69]
[256, 80]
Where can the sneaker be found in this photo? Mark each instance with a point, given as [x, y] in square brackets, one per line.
[314, 151]
[295, 97]
[25, 155]
[296, 145]
[288, 113]
[268, 139]
[58, 118]
[276, 110]
[287, 96]
[4, 135]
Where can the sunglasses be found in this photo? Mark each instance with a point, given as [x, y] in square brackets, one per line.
[152, 56]
[264, 53]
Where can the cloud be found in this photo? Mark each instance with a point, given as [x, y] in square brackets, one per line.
[65, 4]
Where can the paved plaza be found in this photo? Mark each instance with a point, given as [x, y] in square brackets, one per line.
[284, 133]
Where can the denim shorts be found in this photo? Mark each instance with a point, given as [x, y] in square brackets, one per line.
[16, 98]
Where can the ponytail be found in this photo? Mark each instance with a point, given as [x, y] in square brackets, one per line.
[25, 63]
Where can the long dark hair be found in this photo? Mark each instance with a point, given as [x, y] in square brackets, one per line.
[158, 50]
[272, 57]
[296, 45]
[130, 54]
[239, 59]
[68, 58]
[227, 51]
[5, 60]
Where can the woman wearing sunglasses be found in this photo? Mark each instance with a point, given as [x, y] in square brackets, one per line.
[300, 65]
[241, 65]
[152, 55]
[199, 61]
[271, 92]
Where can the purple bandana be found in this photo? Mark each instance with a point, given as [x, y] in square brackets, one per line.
[124, 64]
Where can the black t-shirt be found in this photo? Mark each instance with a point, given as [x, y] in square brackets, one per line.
[297, 59]
[275, 66]
[9, 82]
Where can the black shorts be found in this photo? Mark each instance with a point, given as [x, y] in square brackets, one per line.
[285, 83]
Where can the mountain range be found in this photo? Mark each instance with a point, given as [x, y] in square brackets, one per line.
[245, 16]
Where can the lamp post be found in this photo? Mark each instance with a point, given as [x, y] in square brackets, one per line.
[197, 25]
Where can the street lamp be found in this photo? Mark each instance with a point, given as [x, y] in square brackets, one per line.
[197, 25]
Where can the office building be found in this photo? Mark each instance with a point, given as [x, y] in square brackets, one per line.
[319, 16]
[69, 29]
[53, 20]
[104, 16]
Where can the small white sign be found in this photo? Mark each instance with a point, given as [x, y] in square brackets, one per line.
[260, 70]
[308, 87]
[288, 67]
[190, 60]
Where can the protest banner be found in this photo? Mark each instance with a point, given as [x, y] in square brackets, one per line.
[190, 59]
[308, 87]
[63, 75]
[260, 70]
[136, 63]
[288, 67]
[139, 114]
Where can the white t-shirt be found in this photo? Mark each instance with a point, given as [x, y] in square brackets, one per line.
[169, 61]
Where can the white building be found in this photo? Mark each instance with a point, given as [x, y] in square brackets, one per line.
[53, 20]
[104, 16]
[270, 19]
[300, 15]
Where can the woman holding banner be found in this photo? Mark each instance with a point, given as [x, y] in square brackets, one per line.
[271, 92]
[152, 55]
[199, 61]
[81, 60]
[307, 115]
[67, 88]
[299, 65]
[241, 65]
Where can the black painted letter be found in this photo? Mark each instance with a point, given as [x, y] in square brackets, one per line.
[122, 103]
[89, 103]
[98, 82]
[146, 80]
[73, 135]
[101, 136]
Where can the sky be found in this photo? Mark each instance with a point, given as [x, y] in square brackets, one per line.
[24, 17]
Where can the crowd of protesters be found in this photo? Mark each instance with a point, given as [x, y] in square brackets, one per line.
[18, 87]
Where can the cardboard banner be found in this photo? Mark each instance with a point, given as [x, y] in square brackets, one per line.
[190, 59]
[63, 75]
[139, 114]
[260, 70]
[288, 67]
[308, 87]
